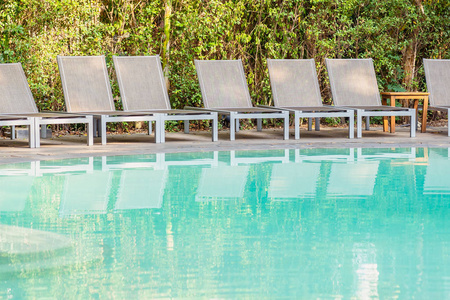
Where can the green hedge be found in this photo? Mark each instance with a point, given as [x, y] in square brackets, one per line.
[397, 34]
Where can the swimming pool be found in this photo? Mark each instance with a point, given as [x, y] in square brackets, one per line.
[319, 223]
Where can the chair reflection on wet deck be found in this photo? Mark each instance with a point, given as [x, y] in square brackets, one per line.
[17, 181]
[437, 181]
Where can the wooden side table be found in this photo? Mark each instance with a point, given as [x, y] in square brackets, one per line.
[416, 96]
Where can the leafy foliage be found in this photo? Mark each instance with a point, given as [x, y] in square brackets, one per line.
[397, 34]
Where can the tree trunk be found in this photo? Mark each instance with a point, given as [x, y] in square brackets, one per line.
[166, 42]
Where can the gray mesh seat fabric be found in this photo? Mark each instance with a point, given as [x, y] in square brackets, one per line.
[16, 101]
[354, 85]
[295, 87]
[224, 90]
[87, 90]
[437, 75]
[143, 88]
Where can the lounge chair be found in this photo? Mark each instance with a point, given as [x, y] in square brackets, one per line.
[437, 75]
[143, 88]
[295, 88]
[87, 90]
[17, 106]
[224, 90]
[354, 86]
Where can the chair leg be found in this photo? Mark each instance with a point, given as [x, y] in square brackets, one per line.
[215, 127]
[13, 132]
[103, 129]
[162, 136]
[186, 126]
[367, 123]
[309, 124]
[286, 126]
[358, 123]
[158, 129]
[413, 122]
[259, 124]
[150, 127]
[351, 126]
[317, 124]
[90, 130]
[37, 135]
[297, 125]
[448, 124]
[31, 133]
[233, 123]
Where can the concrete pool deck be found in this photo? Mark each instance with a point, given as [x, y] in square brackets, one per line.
[70, 146]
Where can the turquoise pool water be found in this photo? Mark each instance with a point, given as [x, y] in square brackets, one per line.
[328, 224]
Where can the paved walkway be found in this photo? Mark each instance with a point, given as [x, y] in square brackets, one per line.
[125, 144]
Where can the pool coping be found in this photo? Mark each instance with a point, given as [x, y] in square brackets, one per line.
[70, 146]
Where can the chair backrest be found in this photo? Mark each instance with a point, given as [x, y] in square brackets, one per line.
[15, 93]
[437, 75]
[353, 82]
[223, 83]
[294, 82]
[85, 83]
[141, 82]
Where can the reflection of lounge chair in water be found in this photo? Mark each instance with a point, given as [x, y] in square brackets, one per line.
[15, 192]
[222, 183]
[86, 194]
[293, 181]
[382, 153]
[140, 189]
[306, 155]
[352, 179]
[143, 188]
[255, 157]
[436, 179]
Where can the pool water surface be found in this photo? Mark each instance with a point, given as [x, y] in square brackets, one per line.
[319, 223]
